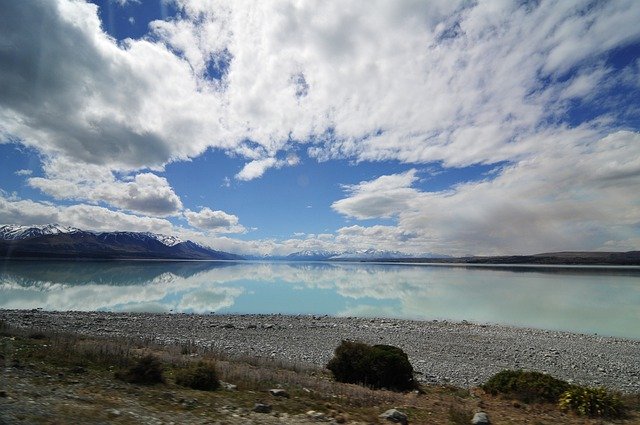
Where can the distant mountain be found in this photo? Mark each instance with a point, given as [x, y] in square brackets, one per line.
[362, 254]
[370, 254]
[574, 258]
[54, 241]
[311, 255]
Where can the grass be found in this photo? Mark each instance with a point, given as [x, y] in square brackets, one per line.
[70, 364]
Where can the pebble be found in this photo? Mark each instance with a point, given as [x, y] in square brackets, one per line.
[461, 354]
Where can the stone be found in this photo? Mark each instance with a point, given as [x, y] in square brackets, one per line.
[395, 416]
[262, 408]
[480, 418]
[279, 392]
[316, 416]
[228, 386]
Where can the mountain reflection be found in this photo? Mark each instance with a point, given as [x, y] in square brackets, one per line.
[601, 301]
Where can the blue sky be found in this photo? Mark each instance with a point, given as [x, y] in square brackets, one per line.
[427, 127]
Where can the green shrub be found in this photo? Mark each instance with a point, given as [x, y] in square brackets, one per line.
[147, 370]
[378, 366]
[591, 402]
[201, 376]
[525, 386]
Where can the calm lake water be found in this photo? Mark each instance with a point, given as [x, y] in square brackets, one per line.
[604, 301]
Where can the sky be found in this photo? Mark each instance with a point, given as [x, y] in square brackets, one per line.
[445, 127]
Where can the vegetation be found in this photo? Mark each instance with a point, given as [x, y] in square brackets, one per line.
[76, 373]
[529, 387]
[592, 402]
[147, 370]
[378, 366]
[201, 376]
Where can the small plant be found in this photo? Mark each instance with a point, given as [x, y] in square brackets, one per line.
[147, 370]
[529, 387]
[378, 366]
[459, 416]
[201, 376]
[591, 402]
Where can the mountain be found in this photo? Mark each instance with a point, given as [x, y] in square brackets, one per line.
[370, 254]
[574, 258]
[362, 254]
[311, 255]
[54, 241]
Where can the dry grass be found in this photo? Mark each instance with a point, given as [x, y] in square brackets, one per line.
[310, 388]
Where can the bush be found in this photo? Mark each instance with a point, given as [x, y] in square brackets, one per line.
[591, 402]
[201, 376]
[378, 366]
[147, 370]
[526, 386]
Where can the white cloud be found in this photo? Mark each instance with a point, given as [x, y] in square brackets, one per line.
[215, 221]
[385, 196]
[23, 172]
[442, 81]
[256, 168]
[574, 195]
[419, 82]
[88, 217]
[145, 193]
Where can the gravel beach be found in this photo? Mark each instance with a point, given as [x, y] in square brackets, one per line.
[462, 354]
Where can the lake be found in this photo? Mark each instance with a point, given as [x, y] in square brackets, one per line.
[605, 301]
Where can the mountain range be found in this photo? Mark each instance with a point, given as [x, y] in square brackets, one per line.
[58, 242]
[54, 241]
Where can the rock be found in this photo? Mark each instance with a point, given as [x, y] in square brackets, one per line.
[316, 416]
[395, 416]
[228, 386]
[3, 393]
[262, 408]
[114, 412]
[480, 418]
[278, 392]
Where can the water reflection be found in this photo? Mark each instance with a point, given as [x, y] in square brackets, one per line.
[605, 301]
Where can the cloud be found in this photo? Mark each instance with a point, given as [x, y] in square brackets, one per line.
[574, 195]
[447, 81]
[23, 172]
[215, 221]
[385, 196]
[145, 193]
[256, 168]
[87, 217]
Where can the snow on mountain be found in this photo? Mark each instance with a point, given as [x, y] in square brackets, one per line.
[312, 255]
[370, 254]
[17, 232]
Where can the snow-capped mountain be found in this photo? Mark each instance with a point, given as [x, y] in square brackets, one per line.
[54, 241]
[370, 254]
[17, 232]
[312, 255]
[363, 254]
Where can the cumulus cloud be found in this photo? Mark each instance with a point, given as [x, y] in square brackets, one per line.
[88, 217]
[446, 81]
[385, 196]
[256, 168]
[215, 221]
[144, 193]
[574, 195]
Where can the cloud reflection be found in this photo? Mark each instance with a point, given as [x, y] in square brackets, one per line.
[605, 302]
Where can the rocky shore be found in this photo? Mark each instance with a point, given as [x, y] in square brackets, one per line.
[462, 354]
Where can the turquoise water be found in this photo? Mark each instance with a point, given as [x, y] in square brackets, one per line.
[605, 301]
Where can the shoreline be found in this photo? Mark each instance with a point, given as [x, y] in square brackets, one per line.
[441, 352]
